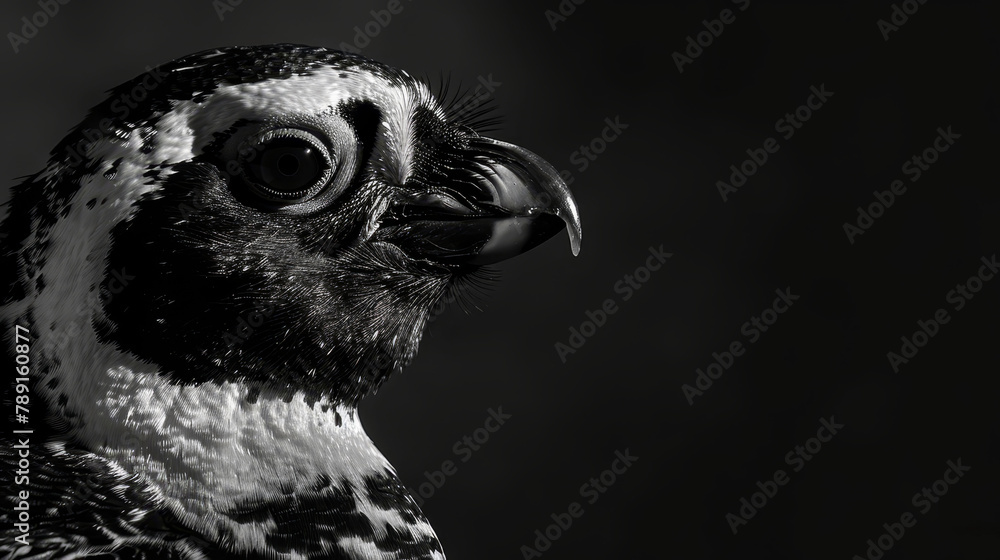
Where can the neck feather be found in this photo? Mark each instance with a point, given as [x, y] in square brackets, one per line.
[250, 471]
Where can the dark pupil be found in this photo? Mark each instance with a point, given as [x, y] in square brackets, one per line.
[287, 167]
[288, 164]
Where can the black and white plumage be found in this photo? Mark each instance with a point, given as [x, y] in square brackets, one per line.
[214, 267]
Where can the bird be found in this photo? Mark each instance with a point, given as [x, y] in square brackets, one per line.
[209, 274]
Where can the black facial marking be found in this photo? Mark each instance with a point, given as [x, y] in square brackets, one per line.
[218, 291]
[364, 117]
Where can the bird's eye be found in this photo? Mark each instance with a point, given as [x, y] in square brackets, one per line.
[286, 165]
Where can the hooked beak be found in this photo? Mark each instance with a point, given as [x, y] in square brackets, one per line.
[511, 202]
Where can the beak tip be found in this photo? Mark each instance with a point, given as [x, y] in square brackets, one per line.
[527, 183]
[571, 215]
[575, 235]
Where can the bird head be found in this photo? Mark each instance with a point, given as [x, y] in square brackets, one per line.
[224, 257]
[282, 216]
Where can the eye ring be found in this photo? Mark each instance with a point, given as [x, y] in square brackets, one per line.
[286, 166]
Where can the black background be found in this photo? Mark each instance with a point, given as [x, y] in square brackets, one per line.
[653, 186]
